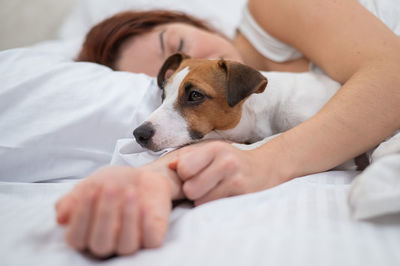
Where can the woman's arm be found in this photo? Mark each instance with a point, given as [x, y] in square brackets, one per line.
[354, 47]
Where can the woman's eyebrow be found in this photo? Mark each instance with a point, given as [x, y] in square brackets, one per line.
[162, 41]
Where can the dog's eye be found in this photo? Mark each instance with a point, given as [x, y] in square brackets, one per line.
[195, 96]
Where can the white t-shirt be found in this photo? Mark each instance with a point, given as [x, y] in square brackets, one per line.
[386, 10]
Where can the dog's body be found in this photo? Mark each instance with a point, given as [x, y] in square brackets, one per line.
[280, 107]
[217, 99]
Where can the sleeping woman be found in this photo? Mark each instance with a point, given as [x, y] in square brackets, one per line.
[120, 210]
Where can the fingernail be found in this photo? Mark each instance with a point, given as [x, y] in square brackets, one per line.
[173, 165]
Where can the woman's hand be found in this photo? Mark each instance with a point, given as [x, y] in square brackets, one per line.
[116, 210]
[215, 170]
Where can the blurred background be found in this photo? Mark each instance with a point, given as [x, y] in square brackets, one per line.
[26, 22]
[22, 21]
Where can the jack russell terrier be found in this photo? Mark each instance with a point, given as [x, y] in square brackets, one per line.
[219, 99]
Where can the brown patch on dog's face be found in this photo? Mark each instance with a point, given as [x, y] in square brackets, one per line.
[202, 99]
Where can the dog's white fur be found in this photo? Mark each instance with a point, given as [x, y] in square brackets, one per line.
[170, 126]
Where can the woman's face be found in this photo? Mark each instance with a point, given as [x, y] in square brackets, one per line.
[146, 53]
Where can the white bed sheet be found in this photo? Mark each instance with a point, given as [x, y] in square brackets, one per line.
[303, 222]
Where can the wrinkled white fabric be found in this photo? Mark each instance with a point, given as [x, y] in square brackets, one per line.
[306, 221]
[376, 191]
[60, 119]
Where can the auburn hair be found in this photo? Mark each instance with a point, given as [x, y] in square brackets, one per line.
[103, 41]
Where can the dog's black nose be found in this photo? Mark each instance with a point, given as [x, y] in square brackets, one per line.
[144, 133]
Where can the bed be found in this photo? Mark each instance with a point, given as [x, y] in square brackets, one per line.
[60, 120]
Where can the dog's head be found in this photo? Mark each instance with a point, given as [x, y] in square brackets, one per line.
[199, 96]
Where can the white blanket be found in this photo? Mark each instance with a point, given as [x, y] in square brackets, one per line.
[303, 222]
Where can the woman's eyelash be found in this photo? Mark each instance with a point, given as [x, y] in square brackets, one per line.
[180, 45]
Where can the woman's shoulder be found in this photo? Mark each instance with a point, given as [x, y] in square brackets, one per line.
[267, 45]
[328, 33]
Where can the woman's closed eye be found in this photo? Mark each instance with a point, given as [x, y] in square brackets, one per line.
[180, 47]
[169, 44]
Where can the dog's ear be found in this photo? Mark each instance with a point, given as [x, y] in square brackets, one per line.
[169, 67]
[241, 81]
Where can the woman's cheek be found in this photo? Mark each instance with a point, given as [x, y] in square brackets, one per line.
[207, 49]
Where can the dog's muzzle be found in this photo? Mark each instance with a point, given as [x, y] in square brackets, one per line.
[143, 134]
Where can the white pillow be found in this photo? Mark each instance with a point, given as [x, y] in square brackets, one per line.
[61, 119]
[222, 14]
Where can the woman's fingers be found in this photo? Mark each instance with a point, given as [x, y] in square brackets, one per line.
[192, 161]
[219, 180]
[106, 222]
[63, 209]
[129, 236]
[203, 182]
[223, 163]
[222, 190]
[68, 203]
[80, 221]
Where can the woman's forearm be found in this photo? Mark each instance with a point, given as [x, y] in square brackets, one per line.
[364, 55]
[364, 112]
